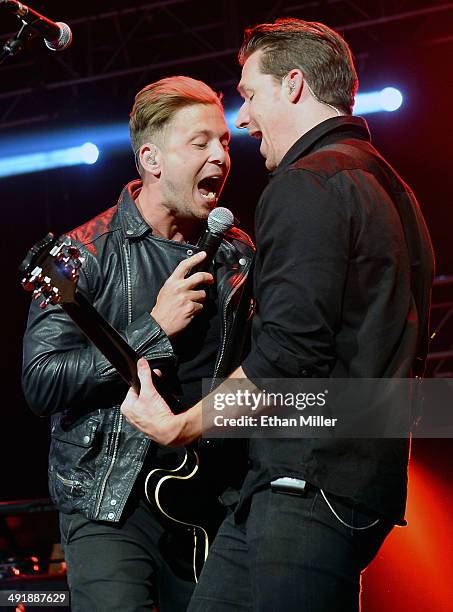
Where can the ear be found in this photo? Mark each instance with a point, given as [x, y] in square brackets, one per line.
[294, 85]
[150, 158]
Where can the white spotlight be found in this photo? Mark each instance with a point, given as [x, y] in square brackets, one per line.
[391, 99]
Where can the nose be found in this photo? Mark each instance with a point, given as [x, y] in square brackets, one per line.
[243, 119]
[219, 155]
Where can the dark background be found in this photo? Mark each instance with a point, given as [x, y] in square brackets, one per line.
[119, 47]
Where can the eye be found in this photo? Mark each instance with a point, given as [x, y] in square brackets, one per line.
[200, 145]
[251, 96]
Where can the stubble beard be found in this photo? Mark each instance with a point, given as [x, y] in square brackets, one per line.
[179, 205]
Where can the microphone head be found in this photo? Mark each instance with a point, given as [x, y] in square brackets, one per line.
[64, 39]
[220, 220]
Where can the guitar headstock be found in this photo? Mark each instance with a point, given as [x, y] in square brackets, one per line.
[50, 270]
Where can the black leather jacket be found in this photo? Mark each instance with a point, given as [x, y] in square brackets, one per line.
[95, 454]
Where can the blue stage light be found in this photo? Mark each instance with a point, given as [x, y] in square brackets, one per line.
[89, 153]
[391, 99]
[36, 162]
[388, 99]
[56, 148]
[112, 136]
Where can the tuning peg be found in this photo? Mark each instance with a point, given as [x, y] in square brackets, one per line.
[37, 279]
[51, 296]
[27, 284]
[73, 252]
[46, 284]
[46, 302]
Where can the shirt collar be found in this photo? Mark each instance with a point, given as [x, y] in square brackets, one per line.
[330, 130]
[134, 226]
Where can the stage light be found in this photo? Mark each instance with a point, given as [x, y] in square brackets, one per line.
[87, 153]
[55, 149]
[391, 99]
[112, 136]
[404, 576]
[388, 99]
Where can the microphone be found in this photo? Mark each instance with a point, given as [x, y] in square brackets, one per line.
[220, 220]
[57, 35]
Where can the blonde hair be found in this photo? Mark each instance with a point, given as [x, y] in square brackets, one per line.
[156, 104]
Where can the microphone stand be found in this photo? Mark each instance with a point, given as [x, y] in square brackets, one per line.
[14, 45]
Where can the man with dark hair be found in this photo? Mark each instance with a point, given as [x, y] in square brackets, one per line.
[342, 281]
[121, 553]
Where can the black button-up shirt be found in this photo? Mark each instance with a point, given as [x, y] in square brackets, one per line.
[333, 291]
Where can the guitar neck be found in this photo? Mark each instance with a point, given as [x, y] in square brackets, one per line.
[105, 337]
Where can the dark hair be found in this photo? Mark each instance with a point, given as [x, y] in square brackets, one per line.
[320, 53]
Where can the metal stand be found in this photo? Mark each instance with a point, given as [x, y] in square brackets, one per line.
[14, 45]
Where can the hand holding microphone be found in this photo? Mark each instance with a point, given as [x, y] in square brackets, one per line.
[220, 220]
[179, 300]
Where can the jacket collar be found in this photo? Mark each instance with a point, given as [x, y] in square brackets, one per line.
[327, 132]
[131, 221]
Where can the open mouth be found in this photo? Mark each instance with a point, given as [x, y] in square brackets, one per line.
[209, 188]
[256, 134]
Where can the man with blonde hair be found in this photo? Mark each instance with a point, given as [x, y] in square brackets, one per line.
[121, 554]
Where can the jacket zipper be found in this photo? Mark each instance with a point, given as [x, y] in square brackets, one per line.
[119, 417]
[72, 484]
[224, 339]
[129, 309]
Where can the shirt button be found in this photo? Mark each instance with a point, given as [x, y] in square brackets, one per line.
[113, 502]
[242, 261]
[86, 439]
[189, 252]
[111, 515]
[129, 232]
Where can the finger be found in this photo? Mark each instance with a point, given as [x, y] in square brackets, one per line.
[128, 402]
[147, 388]
[195, 310]
[199, 278]
[197, 296]
[186, 265]
[131, 397]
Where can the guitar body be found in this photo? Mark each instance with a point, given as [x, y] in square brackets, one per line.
[183, 496]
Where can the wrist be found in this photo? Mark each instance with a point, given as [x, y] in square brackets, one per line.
[190, 425]
[160, 323]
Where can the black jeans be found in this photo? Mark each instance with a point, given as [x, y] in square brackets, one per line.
[291, 554]
[127, 567]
